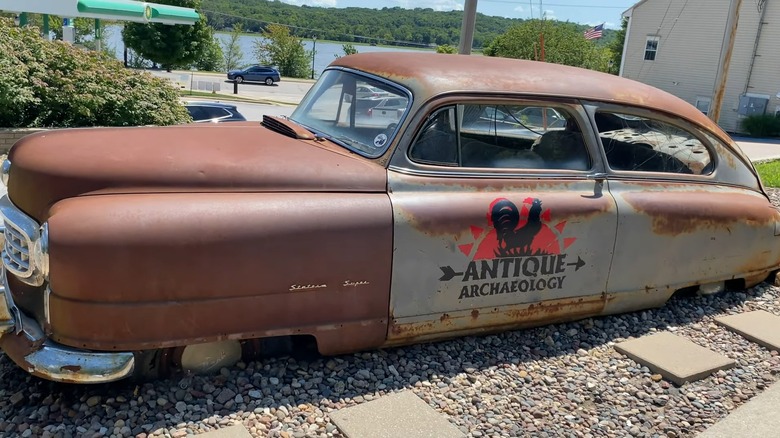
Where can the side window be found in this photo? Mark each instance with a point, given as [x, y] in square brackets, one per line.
[645, 145]
[437, 141]
[214, 113]
[521, 137]
[502, 136]
[196, 113]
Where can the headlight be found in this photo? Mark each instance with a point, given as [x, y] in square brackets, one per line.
[5, 170]
[40, 252]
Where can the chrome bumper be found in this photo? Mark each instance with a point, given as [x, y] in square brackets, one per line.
[25, 343]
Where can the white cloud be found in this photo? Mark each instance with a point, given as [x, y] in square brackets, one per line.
[550, 14]
[519, 9]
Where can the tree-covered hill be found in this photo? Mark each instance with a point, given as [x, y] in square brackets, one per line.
[395, 26]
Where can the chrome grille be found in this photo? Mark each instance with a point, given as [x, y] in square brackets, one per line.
[16, 256]
[22, 238]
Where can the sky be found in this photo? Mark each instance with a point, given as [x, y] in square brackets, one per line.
[591, 12]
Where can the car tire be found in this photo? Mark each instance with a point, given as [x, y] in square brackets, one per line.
[239, 79]
[269, 81]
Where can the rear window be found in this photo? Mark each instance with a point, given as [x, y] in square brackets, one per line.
[640, 144]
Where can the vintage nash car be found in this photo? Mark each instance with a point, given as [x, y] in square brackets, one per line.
[135, 250]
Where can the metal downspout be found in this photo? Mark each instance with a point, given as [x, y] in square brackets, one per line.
[762, 7]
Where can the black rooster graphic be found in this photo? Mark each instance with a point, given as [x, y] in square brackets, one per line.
[513, 241]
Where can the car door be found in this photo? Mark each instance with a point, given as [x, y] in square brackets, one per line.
[495, 226]
[252, 74]
[690, 212]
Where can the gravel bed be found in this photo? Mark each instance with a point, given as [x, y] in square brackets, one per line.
[559, 380]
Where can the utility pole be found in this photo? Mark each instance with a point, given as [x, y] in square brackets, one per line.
[725, 59]
[467, 28]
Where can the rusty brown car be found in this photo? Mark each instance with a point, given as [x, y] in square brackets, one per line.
[130, 250]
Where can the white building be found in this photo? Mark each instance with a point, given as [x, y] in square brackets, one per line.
[675, 45]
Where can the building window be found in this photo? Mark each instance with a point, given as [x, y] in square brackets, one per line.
[651, 48]
[703, 104]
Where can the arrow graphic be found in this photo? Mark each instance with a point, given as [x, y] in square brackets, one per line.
[449, 273]
[578, 264]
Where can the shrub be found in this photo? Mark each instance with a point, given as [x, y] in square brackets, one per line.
[50, 84]
[764, 125]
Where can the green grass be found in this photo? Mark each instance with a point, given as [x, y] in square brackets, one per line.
[769, 173]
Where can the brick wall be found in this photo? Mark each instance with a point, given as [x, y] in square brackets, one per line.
[9, 136]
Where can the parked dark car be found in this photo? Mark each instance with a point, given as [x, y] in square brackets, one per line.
[203, 111]
[256, 73]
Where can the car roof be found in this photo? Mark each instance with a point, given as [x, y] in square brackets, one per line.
[209, 103]
[428, 74]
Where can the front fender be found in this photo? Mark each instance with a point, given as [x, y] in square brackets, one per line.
[152, 270]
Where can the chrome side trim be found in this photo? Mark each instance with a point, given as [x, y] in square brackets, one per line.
[7, 318]
[63, 364]
[9, 313]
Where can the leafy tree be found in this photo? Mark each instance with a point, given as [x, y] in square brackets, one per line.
[283, 50]
[210, 59]
[564, 44]
[446, 48]
[616, 47]
[232, 55]
[55, 84]
[170, 46]
[348, 49]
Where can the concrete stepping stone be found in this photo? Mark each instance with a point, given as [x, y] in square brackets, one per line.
[674, 357]
[755, 419]
[759, 326]
[237, 431]
[399, 415]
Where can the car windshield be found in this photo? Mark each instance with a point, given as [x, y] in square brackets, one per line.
[335, 108]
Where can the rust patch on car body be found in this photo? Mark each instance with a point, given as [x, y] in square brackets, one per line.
[718, 212]
[241, 157]
[237, 254]
[493, 319]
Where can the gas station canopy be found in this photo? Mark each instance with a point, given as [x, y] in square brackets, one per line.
[121, 10]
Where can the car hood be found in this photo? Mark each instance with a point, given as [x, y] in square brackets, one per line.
[235, 157]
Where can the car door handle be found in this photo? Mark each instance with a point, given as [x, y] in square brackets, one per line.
[598, 176]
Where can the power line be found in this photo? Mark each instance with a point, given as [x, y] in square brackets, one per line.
[668, 35]
[560, 5]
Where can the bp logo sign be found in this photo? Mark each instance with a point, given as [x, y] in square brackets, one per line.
[148, 12]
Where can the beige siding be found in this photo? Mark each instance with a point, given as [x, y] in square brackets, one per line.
[765, 78]
[691, 35]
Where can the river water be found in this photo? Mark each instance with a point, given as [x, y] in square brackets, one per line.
[326, 51]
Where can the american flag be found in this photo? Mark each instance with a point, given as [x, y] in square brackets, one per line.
[594, 32]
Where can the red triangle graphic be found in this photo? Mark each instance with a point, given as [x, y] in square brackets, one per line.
[466, 249]
[476, 232]
[546, 216]
[560, 226]
[567, 242]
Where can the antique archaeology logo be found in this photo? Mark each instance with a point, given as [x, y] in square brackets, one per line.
[519, 251]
